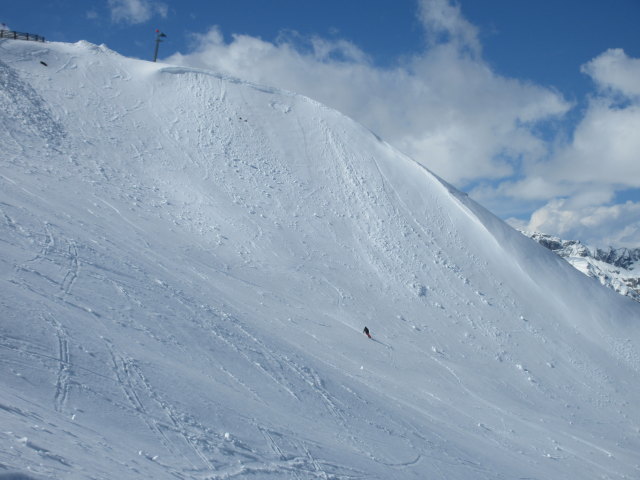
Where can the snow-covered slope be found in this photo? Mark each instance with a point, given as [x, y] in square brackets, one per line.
[616, 268]
[187, 264]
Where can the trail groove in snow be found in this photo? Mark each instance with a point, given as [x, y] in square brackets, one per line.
[187, 264]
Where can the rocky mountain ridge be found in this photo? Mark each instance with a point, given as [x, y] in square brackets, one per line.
[615, 268]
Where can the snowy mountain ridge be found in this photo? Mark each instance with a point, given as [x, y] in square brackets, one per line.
[615, 268]
[188, 263]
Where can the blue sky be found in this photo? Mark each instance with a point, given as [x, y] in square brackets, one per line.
[531, 107]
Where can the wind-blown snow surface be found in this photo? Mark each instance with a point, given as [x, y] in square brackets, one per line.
[187, 263]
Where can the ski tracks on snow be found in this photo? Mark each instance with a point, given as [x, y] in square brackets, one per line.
[173, 428]
[200, 447]
[63, 377]
[302, 464]
[73, 269]
[303, 384]
[275, 365]
[50, 261]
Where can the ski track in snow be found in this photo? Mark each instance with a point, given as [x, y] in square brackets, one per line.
[188, 261]
[159, 417]
[166, 422]
[63, 378]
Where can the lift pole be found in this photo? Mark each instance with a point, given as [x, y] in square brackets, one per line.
[159, 37]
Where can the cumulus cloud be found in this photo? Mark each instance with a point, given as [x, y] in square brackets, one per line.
[605, 147]
[444, 23]
[582, 176]
[596, 225]
[615, 71]
[136, 11]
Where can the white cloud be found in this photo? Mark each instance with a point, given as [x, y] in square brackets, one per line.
[601, 158]
[605, 147]
[136, 11]
[597, 225]
[444, 23]
[615, 71]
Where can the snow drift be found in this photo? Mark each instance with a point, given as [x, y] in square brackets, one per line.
[188, 262]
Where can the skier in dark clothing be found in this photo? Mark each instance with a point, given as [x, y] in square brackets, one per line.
[366, 332]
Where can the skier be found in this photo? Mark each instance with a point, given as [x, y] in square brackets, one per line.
[366, 332]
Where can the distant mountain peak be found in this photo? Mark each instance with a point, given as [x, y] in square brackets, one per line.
[616, 268]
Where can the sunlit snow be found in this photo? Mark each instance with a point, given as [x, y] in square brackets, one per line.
[187, 263]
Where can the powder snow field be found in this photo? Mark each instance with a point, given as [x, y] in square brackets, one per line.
[187, 262]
